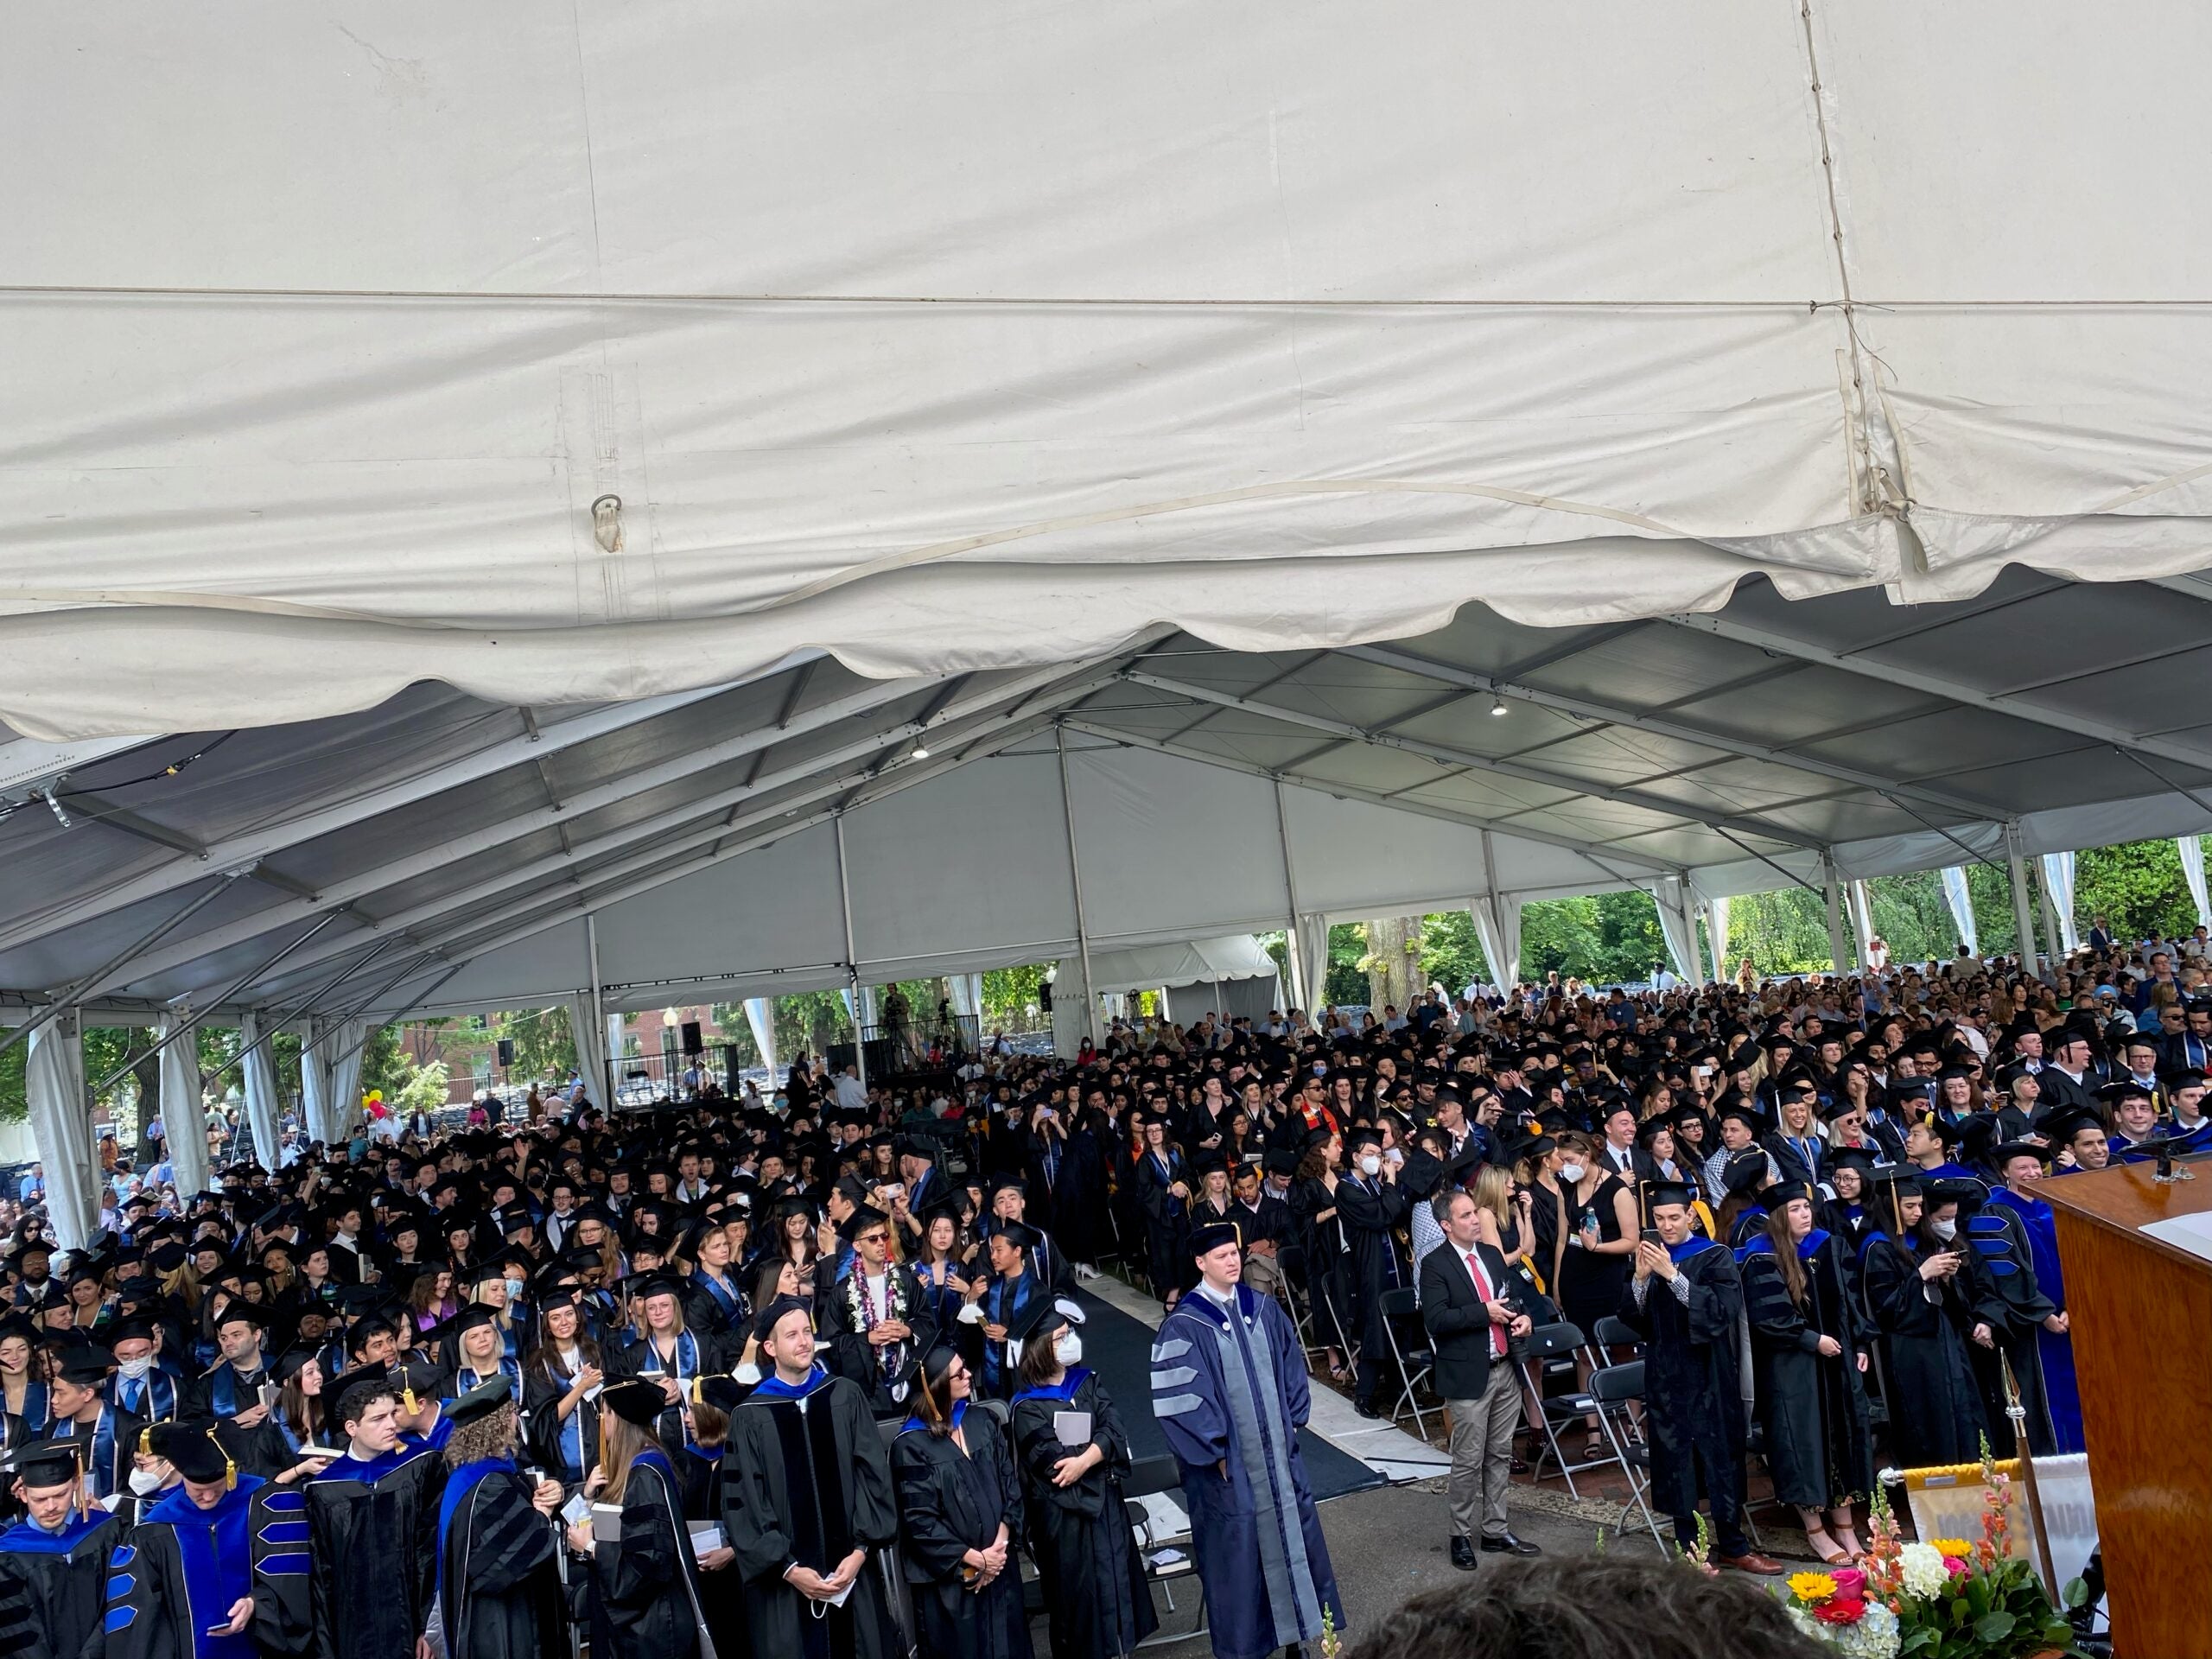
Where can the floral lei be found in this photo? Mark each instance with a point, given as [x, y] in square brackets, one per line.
[865, 1317]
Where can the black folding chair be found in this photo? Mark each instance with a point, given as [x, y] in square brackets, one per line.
[1614, 1388]
[1412, 1356]
[1152, 1477]
[1547, 1350]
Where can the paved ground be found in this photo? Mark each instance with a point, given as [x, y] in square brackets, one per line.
[1389, 1545]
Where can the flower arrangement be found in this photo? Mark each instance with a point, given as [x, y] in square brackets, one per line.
[1940, 1598]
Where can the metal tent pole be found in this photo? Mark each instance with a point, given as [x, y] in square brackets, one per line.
[1075, 881]
[852, 966]
[2015, 862]
[1298, 965]
[605, 1081]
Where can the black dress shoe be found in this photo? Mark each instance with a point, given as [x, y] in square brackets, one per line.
[1463, 1554]
[1365, 1408]
[1507, 1544]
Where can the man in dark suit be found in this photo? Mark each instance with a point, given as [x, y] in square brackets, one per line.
[1467, 1302]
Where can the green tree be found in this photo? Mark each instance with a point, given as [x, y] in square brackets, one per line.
[1450, 952]
[545, 1046]
[2137, 887]
[1346, 981]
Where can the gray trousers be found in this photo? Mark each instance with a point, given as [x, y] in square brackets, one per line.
[1482, 1455]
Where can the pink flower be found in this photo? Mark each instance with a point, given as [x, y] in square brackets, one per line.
[1956, 1567]
[1850, 1583]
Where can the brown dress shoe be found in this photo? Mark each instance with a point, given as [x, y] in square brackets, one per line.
[1752, 1561]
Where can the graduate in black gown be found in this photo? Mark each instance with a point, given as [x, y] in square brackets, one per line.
[372, 1519]
[807, 1504]
[1097, 1600]
[81, 1412]
[1808, 1351]
[646, 1579]
[499, 1593]
[1932, 1301]
[54, 1563]
[1685, 1299]
[960, 1520]
[217, 1566]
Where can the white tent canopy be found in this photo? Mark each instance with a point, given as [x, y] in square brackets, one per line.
[948, 344]
[1149, 442]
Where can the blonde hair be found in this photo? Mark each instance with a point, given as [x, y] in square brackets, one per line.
[1494, 1192]
[621, 1443]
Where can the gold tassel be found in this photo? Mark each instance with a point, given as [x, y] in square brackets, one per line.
[146, 1441]
[230, 1466]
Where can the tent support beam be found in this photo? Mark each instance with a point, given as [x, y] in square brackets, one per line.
[1636, 870]
[250, 849]
[1445, 755]
[1722, 627]
[1661, 726]
[664, 842]
[599, 1012]
[1298, 986]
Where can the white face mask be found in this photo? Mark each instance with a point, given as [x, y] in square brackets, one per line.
[135, 1368]
[1570, 1173]
[1371, 1165]
[1068, 1351]
[1946, 1230]
[144, 1481]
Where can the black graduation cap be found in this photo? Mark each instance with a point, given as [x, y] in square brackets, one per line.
[1658, 1193]
[773, 1315]
[239, 1310]
[87, 1366]
[188, 1446]
[724, 1393]
[1744, 1173]
[1280, 1163]
[1040, 1311]
[483, 1400]
[1209, 1237]
[635, 1400]
[469, 1319]
[639, 1286]
[48, 1462]
[1018, 1233]
[2062, 1125]
[1782, 1191]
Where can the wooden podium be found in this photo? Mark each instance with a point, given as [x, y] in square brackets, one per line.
[2142, 1314]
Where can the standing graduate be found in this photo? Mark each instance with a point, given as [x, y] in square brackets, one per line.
[498, 1587]
[217, 1566]
[372, 1525]
[1928, 1298]
[1229, 1389]
[878, 1321]
[1685, 1299]
[960, 1520]
[2023, 1166]
[53, 1562]
[1097, 1600]
[1809, 1349]
[807, 1504]
[81, 1412]
[561, 1383]
[647, 1578]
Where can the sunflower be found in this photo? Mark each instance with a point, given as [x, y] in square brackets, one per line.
[1952, 1548]
[1811, 1586]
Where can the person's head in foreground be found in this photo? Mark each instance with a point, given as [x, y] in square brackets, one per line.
[1590, 1607]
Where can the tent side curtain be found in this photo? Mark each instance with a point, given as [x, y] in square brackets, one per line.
[2058, 887]
[265, 1104]
[61, 1126]
[184, 1117]
[2191, 848]
[589, 1036]
[1497, 925]
[1960, 902]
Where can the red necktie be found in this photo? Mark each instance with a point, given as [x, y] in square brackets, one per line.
[1482, 1288]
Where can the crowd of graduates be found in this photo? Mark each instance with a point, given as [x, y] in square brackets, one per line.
[803, 1374]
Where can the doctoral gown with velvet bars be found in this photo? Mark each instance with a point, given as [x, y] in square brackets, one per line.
[499, 1584]
[1691, 1377]
[645, 1577]
[805, 1479]
[184, 1567]
[1096, 1601]
[950, 1502]
[1230, 1390]
[373, 1529]
[55, 1587]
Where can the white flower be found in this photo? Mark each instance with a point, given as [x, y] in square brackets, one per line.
[1874, 1637]
[1925, 1575]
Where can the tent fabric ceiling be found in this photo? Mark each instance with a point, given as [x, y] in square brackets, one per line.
[979, 342]
[438, 852]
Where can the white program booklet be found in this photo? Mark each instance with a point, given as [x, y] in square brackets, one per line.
[1072, 1429]
[606, 1524]
[705, 1536]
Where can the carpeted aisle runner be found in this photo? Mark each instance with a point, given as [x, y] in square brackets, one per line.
[1119, 1349]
